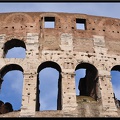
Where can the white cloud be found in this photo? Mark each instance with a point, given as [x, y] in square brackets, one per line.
[15, 78]
[17, 83]
[48, 102]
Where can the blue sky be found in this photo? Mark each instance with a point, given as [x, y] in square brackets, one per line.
[99, 9]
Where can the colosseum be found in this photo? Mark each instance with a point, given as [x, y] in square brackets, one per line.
[65, 47]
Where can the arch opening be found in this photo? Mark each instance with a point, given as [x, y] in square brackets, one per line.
[11, 88]
[86, 80]
[49, 87]
[80, 73]
[14, 49]
[115, 75]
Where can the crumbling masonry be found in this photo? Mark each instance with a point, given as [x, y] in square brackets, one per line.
[65, 47]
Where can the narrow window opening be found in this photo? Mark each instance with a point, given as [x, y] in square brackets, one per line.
[49, 22]
[81, 24]
[48, 87]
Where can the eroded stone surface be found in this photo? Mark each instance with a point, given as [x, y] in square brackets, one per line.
[96, 46]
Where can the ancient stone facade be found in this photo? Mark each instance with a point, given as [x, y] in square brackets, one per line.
[66, 48]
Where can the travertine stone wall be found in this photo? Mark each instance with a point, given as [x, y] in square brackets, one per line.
[97, 44]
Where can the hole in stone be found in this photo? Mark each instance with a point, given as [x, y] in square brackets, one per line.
[49, 22]
[81, 24]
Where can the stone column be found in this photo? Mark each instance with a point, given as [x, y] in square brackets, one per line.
[107, 96]
[2, 41]
[32, 45]
[29, 95]
[68, 91]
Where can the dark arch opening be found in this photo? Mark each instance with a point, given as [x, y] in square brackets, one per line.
[87, 85]
[115, 75]
[14, 49]
[11, 87]
[10, 67]
[46, 86]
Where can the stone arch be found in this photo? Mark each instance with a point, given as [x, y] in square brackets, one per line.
[49, 14]
[8, 68]
[49, 64]
[18, 17]
[13, 43]
[116, 67]
[116, 83]
[54, 65]
[87, 85]
[3, 71]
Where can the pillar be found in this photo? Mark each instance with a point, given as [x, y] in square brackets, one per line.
[107, 96]
[68, 91]
[29, 94]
